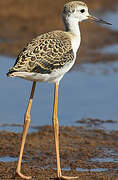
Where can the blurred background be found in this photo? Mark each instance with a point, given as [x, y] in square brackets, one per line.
[90, 90]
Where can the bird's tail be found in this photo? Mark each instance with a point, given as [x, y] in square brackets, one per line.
[11, 73]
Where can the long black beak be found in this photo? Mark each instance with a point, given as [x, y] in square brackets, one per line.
[98, 20]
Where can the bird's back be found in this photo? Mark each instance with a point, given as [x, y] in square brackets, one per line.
[44, 54]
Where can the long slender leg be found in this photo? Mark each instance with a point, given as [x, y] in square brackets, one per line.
[56, 129]
[25, 130]
[56, 136]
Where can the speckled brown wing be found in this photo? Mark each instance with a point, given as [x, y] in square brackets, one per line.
[44, 54]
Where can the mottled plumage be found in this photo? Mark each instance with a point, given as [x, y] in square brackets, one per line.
[44, 54]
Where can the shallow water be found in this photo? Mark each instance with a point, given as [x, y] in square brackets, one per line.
[8, 159]
[110, 49]
[112, 17]
[113, 49]
[102, 160]
[16, 127]
[91, 170]
[82, 94]
[86, 170]
[107, 125]
[108, 155]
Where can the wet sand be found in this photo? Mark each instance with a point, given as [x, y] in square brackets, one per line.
[78, 146]
[20, 21]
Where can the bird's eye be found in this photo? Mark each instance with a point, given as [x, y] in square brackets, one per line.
[82, 10]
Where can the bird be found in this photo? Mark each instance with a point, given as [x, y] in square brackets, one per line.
[46, 59]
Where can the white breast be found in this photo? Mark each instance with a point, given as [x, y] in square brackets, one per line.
[75, 44]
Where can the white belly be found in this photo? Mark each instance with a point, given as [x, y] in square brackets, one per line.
[53, 77]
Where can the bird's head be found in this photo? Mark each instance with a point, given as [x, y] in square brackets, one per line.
[78, 11]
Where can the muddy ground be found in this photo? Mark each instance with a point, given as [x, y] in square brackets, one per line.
[20, 21]
[78, 146]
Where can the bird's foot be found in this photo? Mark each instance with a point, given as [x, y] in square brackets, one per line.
[23, 176]
[67, 178]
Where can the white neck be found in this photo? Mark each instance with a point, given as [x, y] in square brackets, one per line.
[72, 26]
